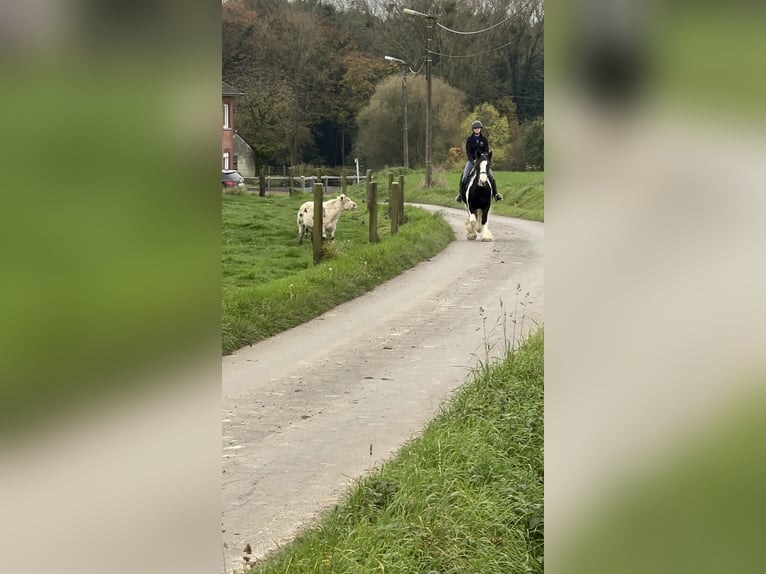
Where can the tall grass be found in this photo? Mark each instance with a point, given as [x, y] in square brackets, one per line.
[466, 496]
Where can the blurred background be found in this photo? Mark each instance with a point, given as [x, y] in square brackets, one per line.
[110, 362]
[654, 279]
[110, 305]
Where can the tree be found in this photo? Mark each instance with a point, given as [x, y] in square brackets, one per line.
[495, 129]
[239, 26]
[515, 153]
[380, 123]
[267, 117]
[485, 49]
[359, 76]
[535, 145]
[326, 58]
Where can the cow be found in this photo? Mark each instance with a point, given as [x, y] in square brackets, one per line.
[331, 211]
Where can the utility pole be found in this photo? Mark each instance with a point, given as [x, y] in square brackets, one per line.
[429, 33]
[428, 101]
[405, 145]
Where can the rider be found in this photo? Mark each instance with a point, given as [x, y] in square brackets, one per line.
[475, 145]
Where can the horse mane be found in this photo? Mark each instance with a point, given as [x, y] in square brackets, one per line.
[483, 155]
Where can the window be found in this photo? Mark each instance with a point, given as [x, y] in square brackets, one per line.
[226, 160]
[226, 124]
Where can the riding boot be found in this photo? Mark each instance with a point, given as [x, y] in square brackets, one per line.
[460, 197]
[496, 195]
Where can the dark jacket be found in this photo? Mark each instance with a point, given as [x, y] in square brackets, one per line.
[475, 145]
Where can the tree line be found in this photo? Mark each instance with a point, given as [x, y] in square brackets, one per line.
[316, 88]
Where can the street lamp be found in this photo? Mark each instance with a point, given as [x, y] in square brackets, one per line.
[430, 19]
[405, 147]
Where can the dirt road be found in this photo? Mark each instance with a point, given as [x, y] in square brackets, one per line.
[303, 411]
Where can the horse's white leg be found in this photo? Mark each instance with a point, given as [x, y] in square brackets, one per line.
[479, 224]
[486, 234]
[470, 225]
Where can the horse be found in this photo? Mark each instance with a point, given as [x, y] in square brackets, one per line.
[478, 198]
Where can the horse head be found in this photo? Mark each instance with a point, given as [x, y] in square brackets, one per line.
[482, 162]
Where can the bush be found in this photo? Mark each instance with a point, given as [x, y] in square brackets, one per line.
[535, 145]
[525, 151]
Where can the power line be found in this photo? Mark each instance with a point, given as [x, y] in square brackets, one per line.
[471, 55]
[477, 31]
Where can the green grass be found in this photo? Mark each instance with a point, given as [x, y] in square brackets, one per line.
[466, 496]
[269, 281]
[522, 192]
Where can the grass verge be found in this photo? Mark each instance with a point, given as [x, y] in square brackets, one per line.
[466, 496]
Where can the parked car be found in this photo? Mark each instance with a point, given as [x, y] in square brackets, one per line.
[231, 179]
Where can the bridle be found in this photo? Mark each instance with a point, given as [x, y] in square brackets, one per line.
[483, 163]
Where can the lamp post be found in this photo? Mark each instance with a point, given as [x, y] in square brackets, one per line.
[429, 28]
[405, 147]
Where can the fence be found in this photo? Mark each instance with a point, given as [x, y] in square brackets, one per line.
[330, 183]
[395, 209]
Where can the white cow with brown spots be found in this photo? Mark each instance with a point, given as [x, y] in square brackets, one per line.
[331, 211]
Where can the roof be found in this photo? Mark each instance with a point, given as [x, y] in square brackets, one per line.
[229, 90]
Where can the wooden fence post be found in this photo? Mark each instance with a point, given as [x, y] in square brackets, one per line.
[401, 199]
[390, 180]
[262, 183]
[367, 184]
[372, 206]
[318, 208]
[393, 207]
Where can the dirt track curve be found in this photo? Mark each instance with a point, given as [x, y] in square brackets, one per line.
[301, 409]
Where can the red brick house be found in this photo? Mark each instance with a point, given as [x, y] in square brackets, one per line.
[228, 94]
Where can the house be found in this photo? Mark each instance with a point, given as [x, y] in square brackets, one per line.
[228, 94]
[244, 157]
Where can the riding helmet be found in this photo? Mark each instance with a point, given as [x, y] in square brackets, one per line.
[476, 124]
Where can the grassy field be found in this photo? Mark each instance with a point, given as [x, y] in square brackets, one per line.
[466, 496]
[269, 281]
[522, 192]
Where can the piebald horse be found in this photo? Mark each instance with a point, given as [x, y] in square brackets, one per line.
[478, 196]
